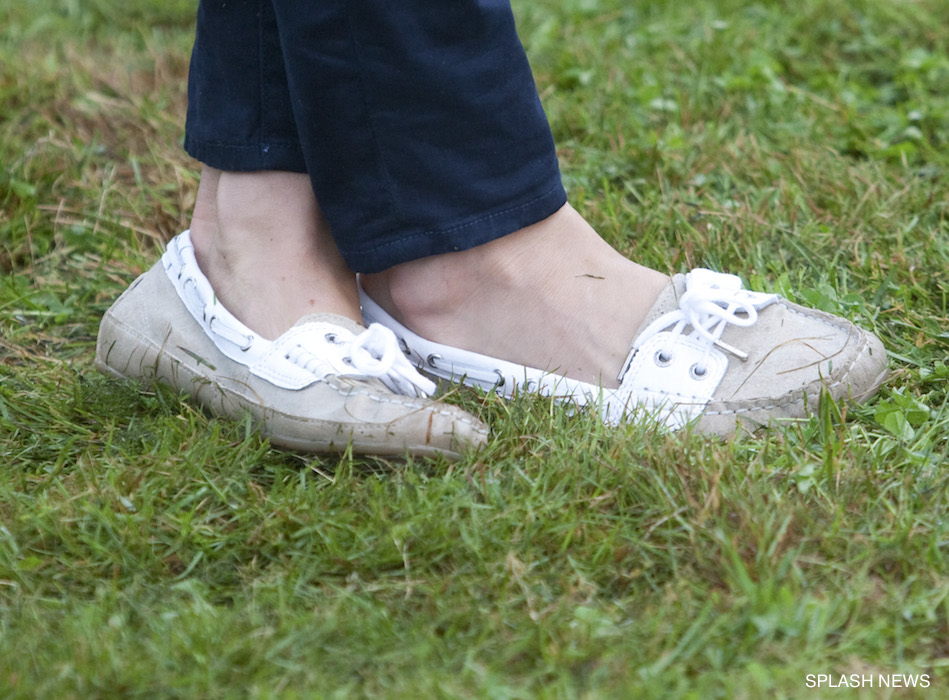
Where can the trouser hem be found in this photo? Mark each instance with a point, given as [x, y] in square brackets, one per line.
[410, 245]
[246, 158]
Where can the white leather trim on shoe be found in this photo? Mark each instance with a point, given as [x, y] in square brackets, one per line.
[669, 375]
[674, 376]
[663, 397]
[309, 352]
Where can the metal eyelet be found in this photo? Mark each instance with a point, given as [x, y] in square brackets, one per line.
[501, 379]
[432, 359]
[662, 359]
[403, 346]
[348, 361]
[698, 373]
[330, 338]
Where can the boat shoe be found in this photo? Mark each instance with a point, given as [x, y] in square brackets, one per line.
[325, 384]
[709, 354]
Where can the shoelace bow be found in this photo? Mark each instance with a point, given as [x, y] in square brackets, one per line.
[374, 353]
[710, 303]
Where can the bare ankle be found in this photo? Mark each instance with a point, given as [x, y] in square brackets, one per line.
[267, 250]
[553, 295]
[435, 287]
[421, 289]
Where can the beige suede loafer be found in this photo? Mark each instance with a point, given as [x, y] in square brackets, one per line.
[324, 385]
[710, 354]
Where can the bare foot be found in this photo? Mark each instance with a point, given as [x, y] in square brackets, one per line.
[264, 245]
[553, 296]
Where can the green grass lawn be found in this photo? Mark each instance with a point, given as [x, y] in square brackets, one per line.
[149, 551]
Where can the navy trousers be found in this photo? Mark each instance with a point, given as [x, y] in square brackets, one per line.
[418, 121]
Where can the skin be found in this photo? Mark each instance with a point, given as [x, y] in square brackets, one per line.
[553, 295]
[265, 246]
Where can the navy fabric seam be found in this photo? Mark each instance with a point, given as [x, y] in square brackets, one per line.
[390, 189]
[237, 146]
[260, 78]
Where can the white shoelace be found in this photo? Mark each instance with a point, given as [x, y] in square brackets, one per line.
[308, 352]
[374, 353]
[711, 302]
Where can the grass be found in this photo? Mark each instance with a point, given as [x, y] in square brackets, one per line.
[147, 550]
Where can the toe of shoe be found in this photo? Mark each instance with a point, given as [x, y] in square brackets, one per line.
[868, 370]
[439, 429]
[340, 414]
[805, 355]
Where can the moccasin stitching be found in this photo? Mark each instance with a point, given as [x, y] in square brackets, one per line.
[792, 397]
[843, 376]
[395, 401]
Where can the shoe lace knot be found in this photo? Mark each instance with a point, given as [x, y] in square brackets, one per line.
[372, 354]
[711, 302]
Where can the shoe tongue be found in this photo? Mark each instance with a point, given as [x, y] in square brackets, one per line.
[668, 300]
[350, 325]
